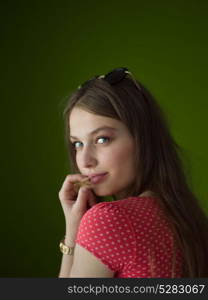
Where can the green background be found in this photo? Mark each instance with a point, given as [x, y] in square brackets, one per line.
[47, 49]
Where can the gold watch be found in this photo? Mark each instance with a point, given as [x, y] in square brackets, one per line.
[66, 249]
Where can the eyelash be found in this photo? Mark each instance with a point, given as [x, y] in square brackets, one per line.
[100, 137]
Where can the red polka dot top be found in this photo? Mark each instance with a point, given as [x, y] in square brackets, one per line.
[132, 237]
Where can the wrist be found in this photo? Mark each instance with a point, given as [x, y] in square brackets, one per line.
[70, 237]
[69, 240]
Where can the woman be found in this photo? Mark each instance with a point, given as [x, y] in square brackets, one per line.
[120, 146]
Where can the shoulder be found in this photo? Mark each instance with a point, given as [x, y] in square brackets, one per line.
[103, 212]
[122, 206]
[110, 230]
[123, 211]
[105, 230]
[104, 207]
[104, 219]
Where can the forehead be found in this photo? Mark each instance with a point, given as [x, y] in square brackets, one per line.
[81, 119]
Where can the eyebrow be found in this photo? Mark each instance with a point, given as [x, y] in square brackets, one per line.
[97, 130]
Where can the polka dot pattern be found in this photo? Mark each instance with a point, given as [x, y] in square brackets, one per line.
[132, 237]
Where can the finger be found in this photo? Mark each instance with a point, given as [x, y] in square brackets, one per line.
[80, 206]
[84, 182]
[68, 190]
[85, 200]
[92, 199]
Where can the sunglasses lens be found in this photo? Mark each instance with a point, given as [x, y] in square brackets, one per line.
[116, 75]
[112, 77]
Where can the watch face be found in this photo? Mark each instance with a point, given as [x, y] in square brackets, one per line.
[65, 249]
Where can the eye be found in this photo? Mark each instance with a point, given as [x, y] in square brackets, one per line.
[103, 139]
[76, 145]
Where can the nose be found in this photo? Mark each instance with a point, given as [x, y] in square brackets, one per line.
[87, 158]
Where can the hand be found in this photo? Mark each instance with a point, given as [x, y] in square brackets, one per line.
[74, 204]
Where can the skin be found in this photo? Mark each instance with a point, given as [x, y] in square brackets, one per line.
[110, 151]
[113, 152]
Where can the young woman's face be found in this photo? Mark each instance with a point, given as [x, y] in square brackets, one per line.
[103, 145]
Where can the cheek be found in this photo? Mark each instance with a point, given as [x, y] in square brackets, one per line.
[119, 155]
[77, 160]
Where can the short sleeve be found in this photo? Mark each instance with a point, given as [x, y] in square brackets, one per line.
[105, 232]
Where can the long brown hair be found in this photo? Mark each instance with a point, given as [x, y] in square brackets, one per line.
[158, 160]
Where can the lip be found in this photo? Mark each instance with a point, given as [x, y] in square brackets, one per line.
[96, 178]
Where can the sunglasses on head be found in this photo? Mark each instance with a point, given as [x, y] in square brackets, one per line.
[112, 77]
